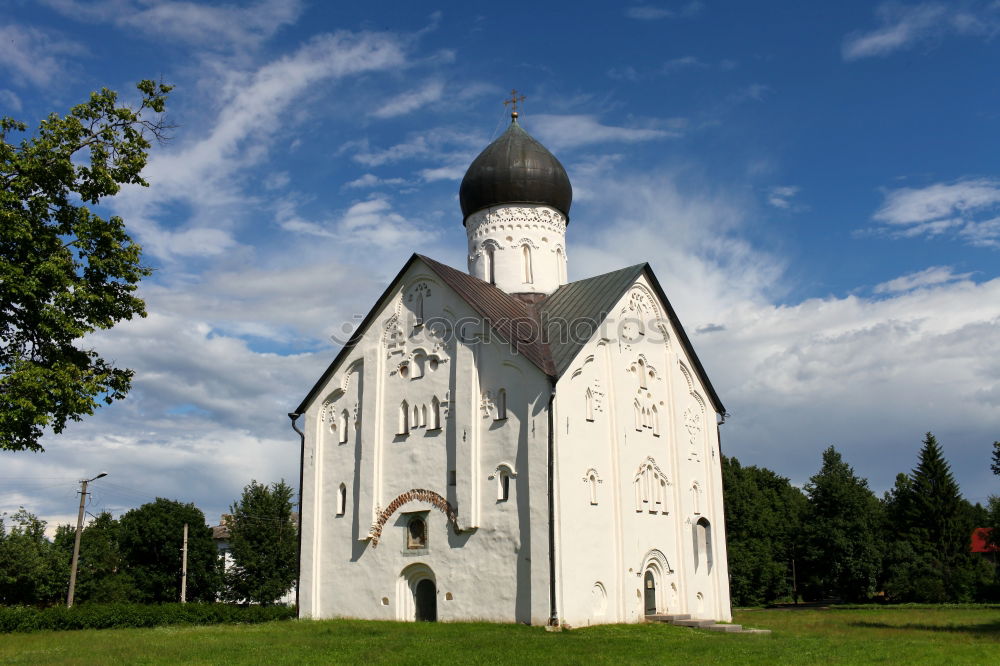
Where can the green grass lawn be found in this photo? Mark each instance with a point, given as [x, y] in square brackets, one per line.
[899, 635]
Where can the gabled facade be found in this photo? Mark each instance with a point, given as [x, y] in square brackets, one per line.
[503, 445]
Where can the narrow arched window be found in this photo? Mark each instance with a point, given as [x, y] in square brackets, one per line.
[526, 262]
[415, 421]
[490, 258]
[418, 366]
[589, 405]
[703, 544]
[434, 419]
[501, 404]
[642, 373]
[423, 416]
[592, 480]
[342, 500]
[343, 426]
[416, 533]
[638, 416]
[561, 265]
[648, 489]
[656, 421]
[503, 489]
[404, 419]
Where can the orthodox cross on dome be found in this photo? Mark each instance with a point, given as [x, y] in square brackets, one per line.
[514, 99]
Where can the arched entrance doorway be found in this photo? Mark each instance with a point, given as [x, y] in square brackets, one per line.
[425, 600]
[649, 593]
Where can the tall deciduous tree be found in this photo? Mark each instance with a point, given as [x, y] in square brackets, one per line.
[840, 546]
[264, 545]
[151, 538]
[102, 573]
[65, 271]
[32, 571]
[763, 519]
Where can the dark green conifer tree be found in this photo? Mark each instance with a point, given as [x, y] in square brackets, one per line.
[929, 559]
[840, 535]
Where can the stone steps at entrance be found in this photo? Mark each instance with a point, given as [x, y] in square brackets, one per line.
[685, 620]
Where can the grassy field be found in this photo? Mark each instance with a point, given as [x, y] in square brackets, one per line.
[918, 635]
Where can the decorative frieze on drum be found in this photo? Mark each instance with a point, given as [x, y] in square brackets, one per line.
[514, 218]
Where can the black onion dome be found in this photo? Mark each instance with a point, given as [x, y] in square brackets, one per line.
[515, 169]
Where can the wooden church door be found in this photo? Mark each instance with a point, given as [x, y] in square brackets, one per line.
[650, 593]
[426, 601]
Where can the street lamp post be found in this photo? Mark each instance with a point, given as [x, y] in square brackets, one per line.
[76, 543]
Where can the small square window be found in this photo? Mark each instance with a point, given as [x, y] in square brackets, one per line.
[416, 533]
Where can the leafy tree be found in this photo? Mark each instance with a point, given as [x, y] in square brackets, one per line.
[151, 538]
[263, 542]
[763, 514]
[840, 533]
[995, 465]
[32, 571]
[930, 527]
[102, 574]
[65, 271]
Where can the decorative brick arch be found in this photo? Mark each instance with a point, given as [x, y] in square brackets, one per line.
[414, 495]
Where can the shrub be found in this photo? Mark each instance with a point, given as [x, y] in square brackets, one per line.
[122, 616]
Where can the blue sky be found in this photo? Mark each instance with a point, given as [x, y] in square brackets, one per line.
[815, 184]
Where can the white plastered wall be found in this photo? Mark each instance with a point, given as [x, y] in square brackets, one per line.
[496, 566]
[520, 249]
[635, 365]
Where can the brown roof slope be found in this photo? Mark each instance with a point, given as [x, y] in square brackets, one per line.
[549, 334]
[515, 321]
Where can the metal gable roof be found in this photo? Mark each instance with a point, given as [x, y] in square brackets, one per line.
[574, 312]
[549, 334]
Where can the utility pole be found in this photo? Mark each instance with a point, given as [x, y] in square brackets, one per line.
[76, 542]
[184, 566]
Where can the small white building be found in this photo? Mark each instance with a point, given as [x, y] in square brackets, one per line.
[505, 445]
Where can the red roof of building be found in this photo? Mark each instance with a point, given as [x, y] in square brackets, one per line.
[979, 541]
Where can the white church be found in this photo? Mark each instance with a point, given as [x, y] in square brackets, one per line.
[504, 445]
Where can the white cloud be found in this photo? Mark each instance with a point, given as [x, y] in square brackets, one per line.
[653, 12]
[648, 12]
[942, 207]
[411, 101]
[683, 62]
[443, 173]
[371, 180]
[869, 375]
[902, 26]
[437, 144]
[571, 131]
[9, 100]
[210, 27]
[200, 172]
[36, 57]
[781, 196]
[935, 275]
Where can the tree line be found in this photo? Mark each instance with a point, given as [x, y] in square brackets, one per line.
[137, 558]
[832, 539]
[835, 540]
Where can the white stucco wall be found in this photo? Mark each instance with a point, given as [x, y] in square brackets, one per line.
[632, 368]
[526, 244]
[496, 566]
